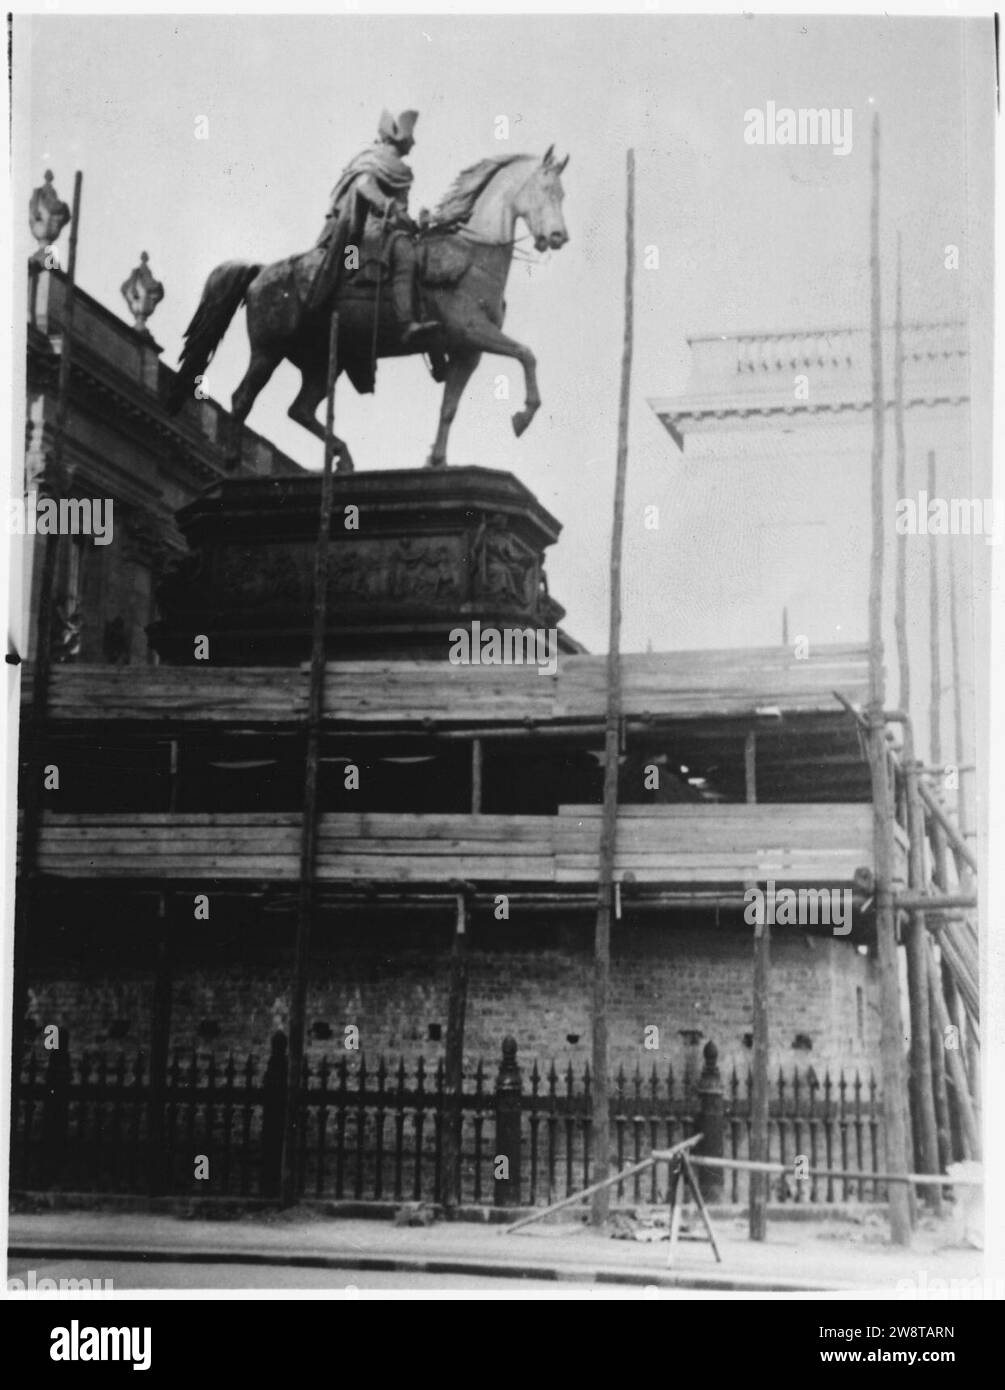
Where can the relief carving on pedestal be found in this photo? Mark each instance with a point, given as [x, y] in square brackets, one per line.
[408, 569]
[423, 569]
[257, 577]
[504, 568]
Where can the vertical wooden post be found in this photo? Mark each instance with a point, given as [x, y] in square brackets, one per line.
[934, 638]
[958, 1076]
[917, 932]
[883, 839]
[31, 800]
[750, 766]
[946, 1108]
[308, 839]
[477, 755]
[453, 1072]
[600, 1204]
[759, 1134]
[759, 1137]
[918, 950]
[964, 757]
[961, 749]
[940, 1090]
[900, 576]
[173, 776]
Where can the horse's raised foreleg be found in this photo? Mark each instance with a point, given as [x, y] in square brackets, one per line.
[260, 369]
[483, 336]
[460, 365]
[314, 384]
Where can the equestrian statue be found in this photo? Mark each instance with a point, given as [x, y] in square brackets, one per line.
[400, 287]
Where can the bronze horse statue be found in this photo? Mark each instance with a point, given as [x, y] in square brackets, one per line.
[465, 253]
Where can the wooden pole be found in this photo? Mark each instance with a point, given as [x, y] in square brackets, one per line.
[308, 837]
[477, 762]
[960, 741]
[453, 1072]
[609, 822]
[965, 808]
[936, 903]
[891, 1038]
[759, 1081]
[918, 948]
[750, 767]
[954, 836]
[31, 797]
[900, 582]
[911, 1179]
[917, 941]
[942, 989]
[758, 1215]
[940, 1090]
[934, 636]
[958, 1077]
[945, 1113]
[657, 1156]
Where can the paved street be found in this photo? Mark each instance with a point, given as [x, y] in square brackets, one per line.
[317, 1251]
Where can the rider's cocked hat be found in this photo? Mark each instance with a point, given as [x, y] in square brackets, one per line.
[397, 128]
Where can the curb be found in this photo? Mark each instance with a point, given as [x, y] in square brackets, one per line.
[422, 1264]
[29, 1202]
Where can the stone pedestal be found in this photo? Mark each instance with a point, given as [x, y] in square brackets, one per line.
[414, 554]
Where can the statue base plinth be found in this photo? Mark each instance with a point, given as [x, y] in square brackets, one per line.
[413, 555]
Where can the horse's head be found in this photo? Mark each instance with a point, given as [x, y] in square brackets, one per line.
[539, 203]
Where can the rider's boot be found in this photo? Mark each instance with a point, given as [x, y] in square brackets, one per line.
[402, 294]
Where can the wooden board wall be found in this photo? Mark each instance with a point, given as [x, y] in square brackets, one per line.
[671, 684]
[723, 846]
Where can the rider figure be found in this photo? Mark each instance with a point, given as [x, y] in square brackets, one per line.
[372, 196]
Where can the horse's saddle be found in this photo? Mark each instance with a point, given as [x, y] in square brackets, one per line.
[443, 259]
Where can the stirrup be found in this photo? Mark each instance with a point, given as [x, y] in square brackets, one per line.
[412, 331]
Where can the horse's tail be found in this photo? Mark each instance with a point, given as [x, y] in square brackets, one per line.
[223, 296]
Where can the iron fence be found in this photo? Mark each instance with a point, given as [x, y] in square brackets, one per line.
[377, 1132]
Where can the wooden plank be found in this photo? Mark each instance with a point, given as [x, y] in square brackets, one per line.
[710, 845]
[674, 684]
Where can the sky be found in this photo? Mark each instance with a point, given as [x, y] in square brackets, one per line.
[748, 238]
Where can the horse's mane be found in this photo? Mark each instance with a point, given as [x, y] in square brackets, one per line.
[458, 203]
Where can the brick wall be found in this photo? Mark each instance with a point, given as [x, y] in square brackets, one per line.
[684, 974]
